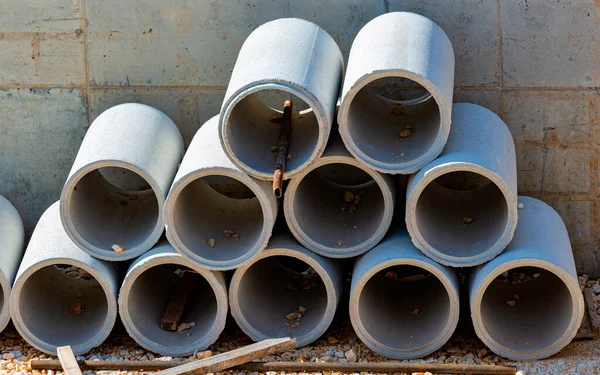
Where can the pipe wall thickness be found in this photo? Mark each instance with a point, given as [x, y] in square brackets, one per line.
[12, 240]
[147, 291]
[284, 277]
[461, 209]
[392, 57]
[533, 316]
[53, 304]
[337, 207]
[288, 58]
[403, 305]
[114, 195]
[215, 214]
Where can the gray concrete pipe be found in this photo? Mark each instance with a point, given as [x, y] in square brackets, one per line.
[287, 58]
[461, 209]
[283, 280]
[526, 303]
[403, 305]
[397, 94]
[111, 205]
[216, 214]
[12, 240]
[54, 304]
[147, 290]
[337, 207]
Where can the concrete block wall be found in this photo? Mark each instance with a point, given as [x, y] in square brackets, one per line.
[62, 62]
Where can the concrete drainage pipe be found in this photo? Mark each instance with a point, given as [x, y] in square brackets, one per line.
[337, 207]
[526, 303]
[402, 304]
[284, 59]
[62, 295]
[111, 204]
[147, 290]
[397, 94]
[286, 289]
[215, 214]
[12, 239]
[461, 209]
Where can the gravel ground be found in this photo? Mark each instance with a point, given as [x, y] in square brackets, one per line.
[338, 344]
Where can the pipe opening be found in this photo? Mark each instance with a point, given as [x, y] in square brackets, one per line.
[75, 307]
[461, 214]
[113, 206]
[273, 293]
[393, 120]
[150, 295]
[339, 210]
[254, 127]
[527, 313]
[217, 218]
[404, 307]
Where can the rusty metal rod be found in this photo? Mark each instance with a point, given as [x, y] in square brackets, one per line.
[282, 148]
[383, 367]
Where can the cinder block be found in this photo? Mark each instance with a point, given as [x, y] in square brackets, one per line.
[41, 42]
[557, 118]
[550, 43]
[174, 42]
[568, 171]
[472, 26]
[489, 99]
[578, 218]
[530, 166]
[188, 108]
[342, 19]
[40, 133]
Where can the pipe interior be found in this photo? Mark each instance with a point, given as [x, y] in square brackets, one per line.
[254, 128]
[541, 314]
[220, 208]
[74, 306]
[461, 214]
[327, 217]
[149, 296]
[276, 286]
[404, 307]
[113, 206]
[387, 127]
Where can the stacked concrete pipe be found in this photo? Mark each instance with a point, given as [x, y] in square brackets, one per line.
[287, 58]
[390, 134]
[147, 290]
[50, 306]
[215, 214]
[534, 317]
[284, 278]
[461, 209]
[12, 239]
[337, 207]
[403, 305]
[111, 205]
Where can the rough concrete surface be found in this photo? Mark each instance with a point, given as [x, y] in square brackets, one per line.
[512, 56]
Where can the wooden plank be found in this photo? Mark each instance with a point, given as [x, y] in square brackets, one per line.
[347, 368]
[174, 311]
[232, 358]
[67, 360]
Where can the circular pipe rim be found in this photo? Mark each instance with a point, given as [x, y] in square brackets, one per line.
[367, 339]
[81, 242]
[332, 298]
[336, 252]
[289, 87]
[453, 261]
[6, 292]
[177, 243]
[103, 333]
[395, 168]
[506, 352]
[172, 259]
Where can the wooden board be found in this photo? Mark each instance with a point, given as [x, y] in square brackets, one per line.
[174, 311]
[68, 361]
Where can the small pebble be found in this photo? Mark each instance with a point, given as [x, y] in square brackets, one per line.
[467, 220]
[341, 243]
[520, 205]
[415, 312]
[351, 356]
[211, 242]
[405, 133]
[511, 303]
[117, 248]
[332, 340]
[348, 196]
